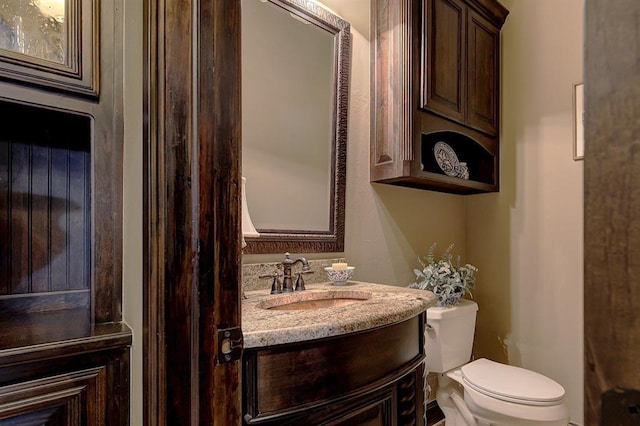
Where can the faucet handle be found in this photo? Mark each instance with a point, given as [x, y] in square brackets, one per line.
[300, 280]
[276, 284]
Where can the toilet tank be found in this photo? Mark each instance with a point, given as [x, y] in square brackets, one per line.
[449, 336]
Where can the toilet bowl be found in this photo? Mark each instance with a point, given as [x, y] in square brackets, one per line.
[484, 392]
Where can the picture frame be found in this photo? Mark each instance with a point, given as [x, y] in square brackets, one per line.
[58, 53]
[578, 121]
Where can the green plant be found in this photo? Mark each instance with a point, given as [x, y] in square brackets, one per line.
[448, 281]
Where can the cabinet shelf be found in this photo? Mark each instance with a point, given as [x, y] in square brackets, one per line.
[57, 334]
[441, 183]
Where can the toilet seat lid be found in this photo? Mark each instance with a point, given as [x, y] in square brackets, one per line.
[512, 384]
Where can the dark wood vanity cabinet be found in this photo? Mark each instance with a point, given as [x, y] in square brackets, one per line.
[64, 349]
[374, 377]
[436, 78]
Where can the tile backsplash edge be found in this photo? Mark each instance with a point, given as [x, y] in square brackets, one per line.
[251, 273]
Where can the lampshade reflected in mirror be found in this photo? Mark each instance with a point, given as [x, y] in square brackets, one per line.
[248, 230]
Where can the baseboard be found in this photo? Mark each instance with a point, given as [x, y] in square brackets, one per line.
[434, 414]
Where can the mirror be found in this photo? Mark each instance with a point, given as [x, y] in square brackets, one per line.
[295, 65]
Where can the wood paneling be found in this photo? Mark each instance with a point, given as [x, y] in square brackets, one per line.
[612, 210]
[61, 241]
[45, 204]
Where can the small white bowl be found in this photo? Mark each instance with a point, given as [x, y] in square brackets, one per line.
[340, 276]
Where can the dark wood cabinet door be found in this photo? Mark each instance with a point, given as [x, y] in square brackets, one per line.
[444, 59]
[482, 74]
[72, 399]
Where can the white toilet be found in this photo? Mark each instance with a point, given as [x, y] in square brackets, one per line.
[483, 392]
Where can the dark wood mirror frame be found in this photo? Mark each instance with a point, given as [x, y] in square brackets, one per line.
[279, 241]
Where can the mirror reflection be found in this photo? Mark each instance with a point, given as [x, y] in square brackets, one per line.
[34, 28]
[287, 118]
[294, 107]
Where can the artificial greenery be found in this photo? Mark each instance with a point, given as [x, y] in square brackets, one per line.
[448, 281]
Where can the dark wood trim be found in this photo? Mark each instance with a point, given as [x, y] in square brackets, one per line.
[218, 215]
[55, 334]
[107, 157]
[153, 275]
[611, 213]
[393, 66]
[492, 10]
[192, 211]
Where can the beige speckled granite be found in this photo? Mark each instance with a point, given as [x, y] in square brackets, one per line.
[251, 272]
[387, 305]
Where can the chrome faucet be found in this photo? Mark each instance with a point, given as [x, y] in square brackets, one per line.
[287, 282]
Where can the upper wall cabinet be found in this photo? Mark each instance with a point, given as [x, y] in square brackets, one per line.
[460, 69]
[435, 106]
[51, 44]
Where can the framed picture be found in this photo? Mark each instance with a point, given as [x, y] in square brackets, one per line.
[578, 121]
[50, 43]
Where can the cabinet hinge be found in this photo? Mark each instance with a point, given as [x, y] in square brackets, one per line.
[230, 345]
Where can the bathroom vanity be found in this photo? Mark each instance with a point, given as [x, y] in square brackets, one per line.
[346, 355]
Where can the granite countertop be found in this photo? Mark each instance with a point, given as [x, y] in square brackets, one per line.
[387, 305]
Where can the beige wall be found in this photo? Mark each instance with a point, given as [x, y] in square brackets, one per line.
[132, 203]
[527, 239]
[388, 227]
